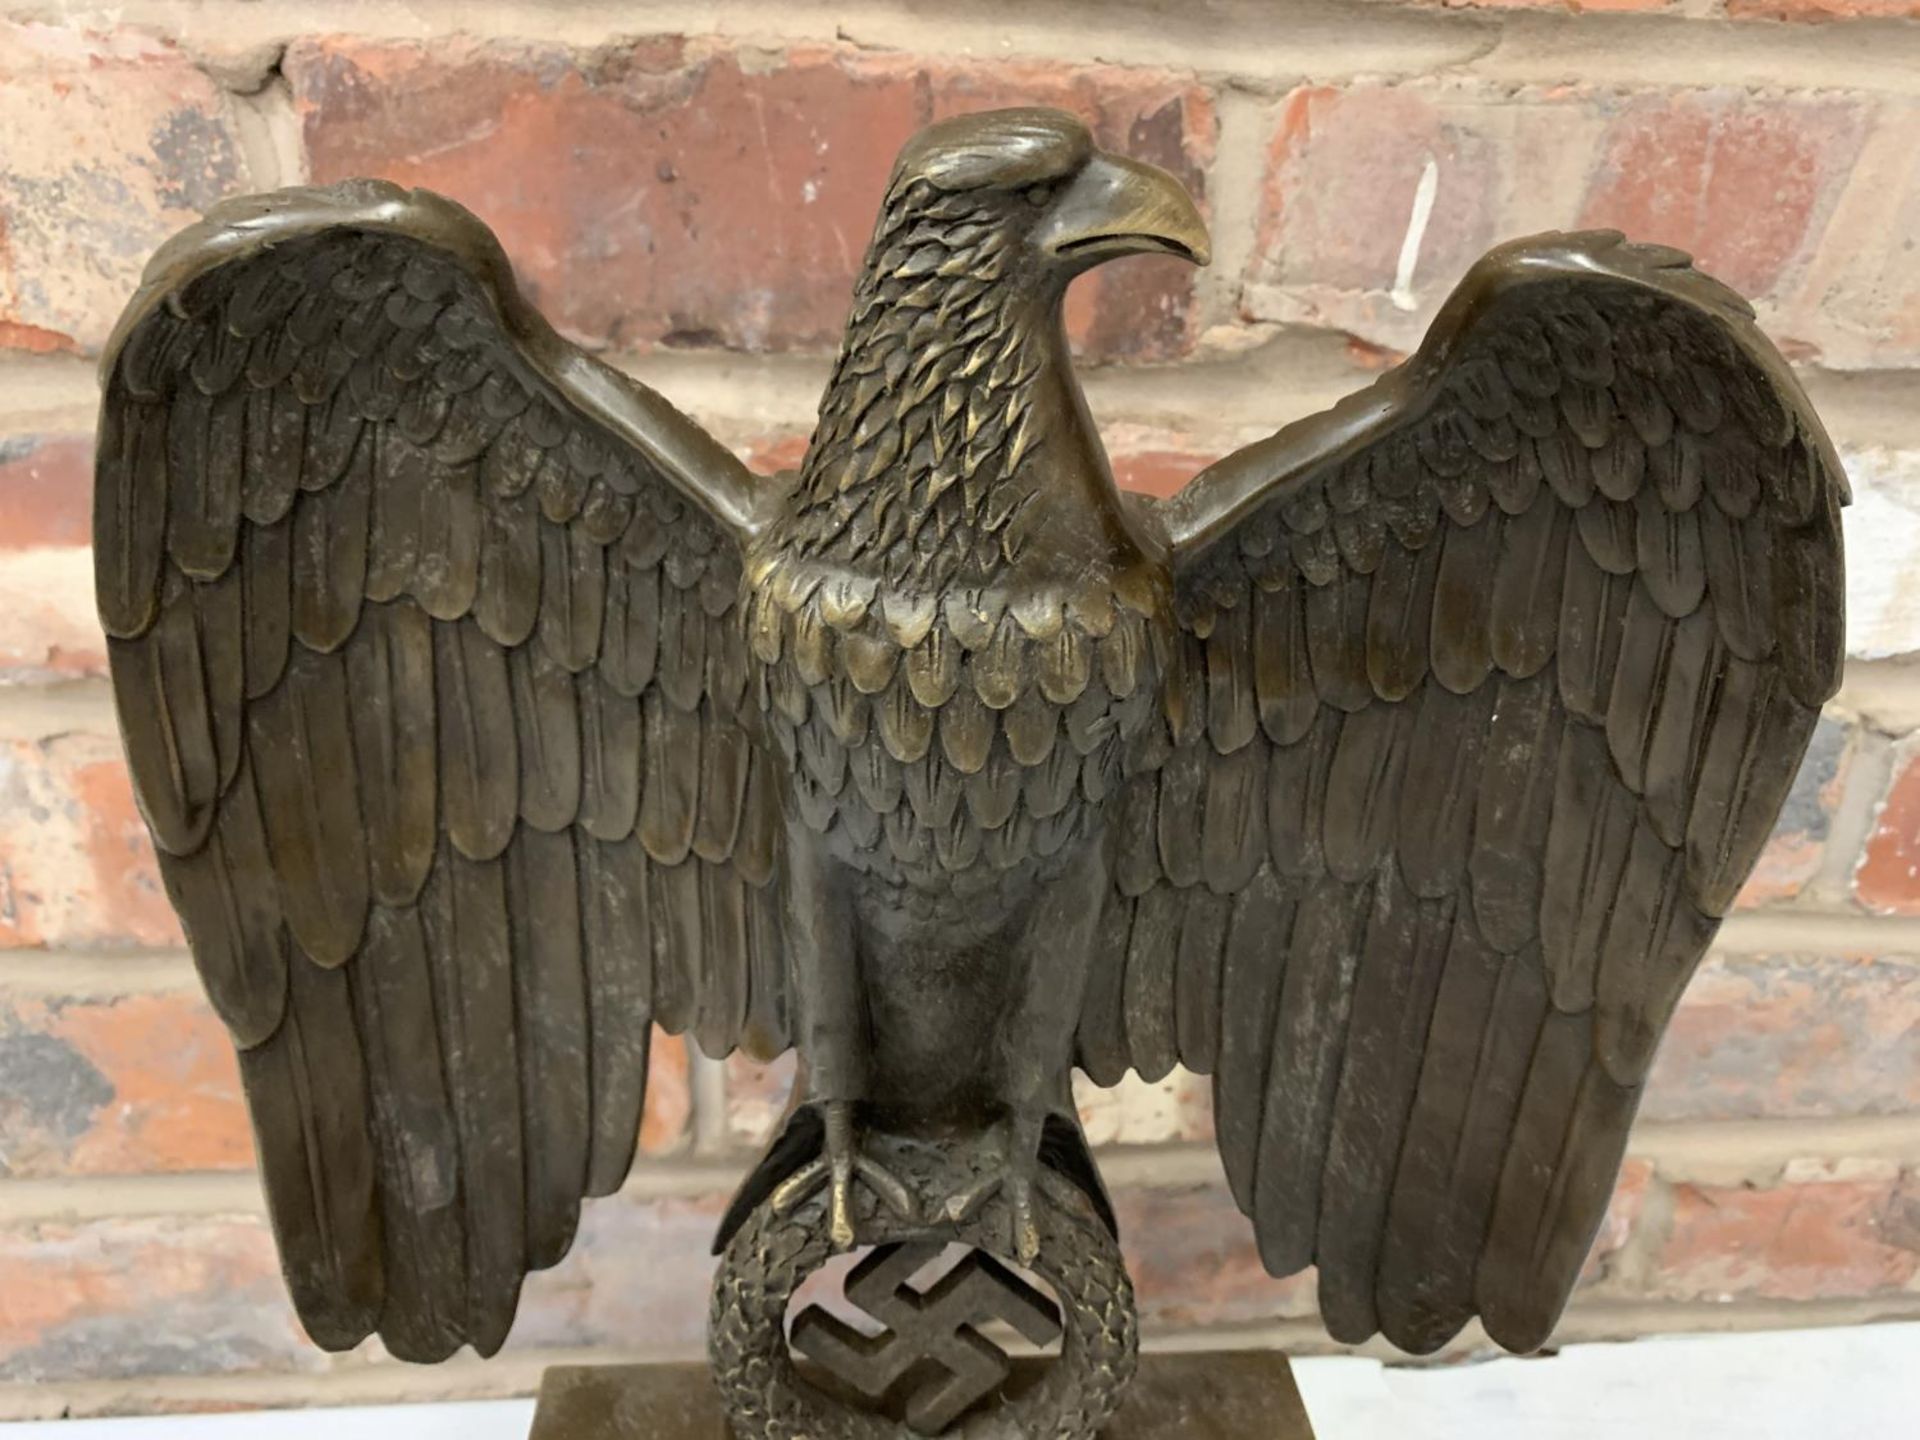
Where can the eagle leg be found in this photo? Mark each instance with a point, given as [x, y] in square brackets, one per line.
[1036, 1039]
[841, 1160]
[1020, 1170]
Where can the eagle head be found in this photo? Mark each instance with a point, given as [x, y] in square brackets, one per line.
[1037, 173]
[952, 405]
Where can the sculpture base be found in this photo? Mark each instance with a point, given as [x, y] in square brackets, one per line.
[1216, 1395]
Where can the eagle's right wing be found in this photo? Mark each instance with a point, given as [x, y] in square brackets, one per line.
[422, 640]
[1492, 682]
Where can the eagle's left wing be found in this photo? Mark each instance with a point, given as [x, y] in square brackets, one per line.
[424, 639]
[1489, 686]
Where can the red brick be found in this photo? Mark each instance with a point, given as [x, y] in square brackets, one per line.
[76, 864]
[756, 1098]
[1888, 877]
[1747, 181]
[663, 1125]
[771, 454]
[1159, 468]
[1139, 1112]
[1736, 182]
[34, 340]
[46, 491]
[142, 1083]
[1792, 1036]
[1623, 1215]
[1860, 305]
[1343, 169]
[1194, 1262]
[126, 1298]
[1824, 9]
[1849, 1231]
[1797, 848]
[1132, 1113]
[114, 141]
[636, 1280]
[1575, 7]
[114, 1299]
[671, 192]
[49, 628]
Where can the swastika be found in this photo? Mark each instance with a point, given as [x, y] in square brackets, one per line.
[930, 1361]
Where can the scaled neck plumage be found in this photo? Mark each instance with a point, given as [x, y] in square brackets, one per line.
[952, 406]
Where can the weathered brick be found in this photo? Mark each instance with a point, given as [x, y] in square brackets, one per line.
[1158, 465]
[1132, 1113]
[1739, 183]
[1797, 847]
[1883, 536]
[1888, 877]
[1576, 7]
[1194, 1262]
[1745, 181]
[46, 491]
[113, 1299]
[636, 1279]
[1860, 303]
[1820, 10]
[1770, 1037]
[148, 1084]
[49, 629]
[76, 864]
[138, 1083]
[1823, 1232]
[770, 454]
[113, 141]
[47, 625]
[681, 192]
[1624, 1210]
[663, 1124]
[1140, 1112]
[756, 1097]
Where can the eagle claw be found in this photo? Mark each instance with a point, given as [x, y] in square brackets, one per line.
[1020, 1172]
[835, 1167]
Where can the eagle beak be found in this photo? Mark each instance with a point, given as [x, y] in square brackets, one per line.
[1117, 206]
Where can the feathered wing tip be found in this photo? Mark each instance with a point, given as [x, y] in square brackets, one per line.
[1509, 662]
[409, 606]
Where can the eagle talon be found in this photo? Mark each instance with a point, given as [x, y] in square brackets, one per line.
[836, 1169]
[1021, 1171]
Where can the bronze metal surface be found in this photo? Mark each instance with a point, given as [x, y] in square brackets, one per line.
[486, 713]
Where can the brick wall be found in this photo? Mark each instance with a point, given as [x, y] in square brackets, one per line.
[691, 195]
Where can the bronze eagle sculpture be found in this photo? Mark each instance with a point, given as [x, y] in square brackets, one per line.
[1396, 772]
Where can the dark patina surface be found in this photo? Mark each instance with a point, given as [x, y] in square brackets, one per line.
[486, 713]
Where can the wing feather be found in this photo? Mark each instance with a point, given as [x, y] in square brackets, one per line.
[381, 562]
[551, 1014]
[391, 694]
[306, 1088]
[422, 1204]
[1535, 634]
[1400, 964]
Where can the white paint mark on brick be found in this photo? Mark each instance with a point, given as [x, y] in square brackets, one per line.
[1883, 539]
[1423, 196]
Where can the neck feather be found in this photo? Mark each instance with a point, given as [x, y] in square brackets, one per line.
[924, 455]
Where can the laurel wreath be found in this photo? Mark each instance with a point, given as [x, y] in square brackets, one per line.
[766, 1397]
